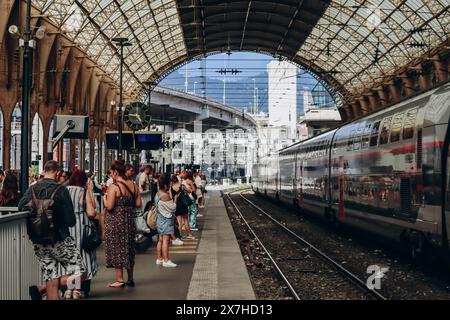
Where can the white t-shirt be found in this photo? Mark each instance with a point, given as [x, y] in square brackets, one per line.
[165, 208]
[144, 184]
[186, 184]
[109, 182]
[198, 182]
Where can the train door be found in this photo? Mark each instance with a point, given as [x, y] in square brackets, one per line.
[294, 178]
[341, 184]
[446, 189]
[300, 182]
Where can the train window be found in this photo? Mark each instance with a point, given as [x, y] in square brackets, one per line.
[384, 134]
[335, 146]
[350, 141]
[396, 127]
[365, 138]
[409, 124]
[357, 140]
[374, 136]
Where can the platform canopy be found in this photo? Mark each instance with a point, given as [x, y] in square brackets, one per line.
[351, 44]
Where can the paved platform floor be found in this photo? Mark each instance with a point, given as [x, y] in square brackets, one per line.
[209, 267]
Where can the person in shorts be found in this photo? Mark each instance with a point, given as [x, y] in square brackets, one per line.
[165, 204]
[64, 251]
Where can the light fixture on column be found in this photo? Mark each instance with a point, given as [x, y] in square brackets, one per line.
[120, 42]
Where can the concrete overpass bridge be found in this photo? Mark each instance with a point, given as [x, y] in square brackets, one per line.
[179, 109]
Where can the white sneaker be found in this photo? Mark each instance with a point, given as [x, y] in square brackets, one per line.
[194, 229]
[177, 242]
[190, 237]
[159, 261]
[199, 215]
[168, 264]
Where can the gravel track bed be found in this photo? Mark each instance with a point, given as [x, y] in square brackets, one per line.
[266, 283]
[356, 251]
[311, 277]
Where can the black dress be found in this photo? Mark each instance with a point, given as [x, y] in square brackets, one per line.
[181, 208]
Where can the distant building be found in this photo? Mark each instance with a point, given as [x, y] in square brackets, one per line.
[316, 121]
[321, 97]
[283, 96]
[271, 138]
[308, 101]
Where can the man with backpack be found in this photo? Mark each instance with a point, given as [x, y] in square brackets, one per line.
[51, 214]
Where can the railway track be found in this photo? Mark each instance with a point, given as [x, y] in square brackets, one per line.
[323, 275]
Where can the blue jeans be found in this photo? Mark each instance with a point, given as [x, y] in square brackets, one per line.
[192, 211]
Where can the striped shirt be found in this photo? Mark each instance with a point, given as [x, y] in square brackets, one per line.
[77, 194]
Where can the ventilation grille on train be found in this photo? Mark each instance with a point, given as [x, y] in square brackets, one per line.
[419, 149]
[405, 196]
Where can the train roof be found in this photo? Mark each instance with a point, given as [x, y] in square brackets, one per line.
[368, 116]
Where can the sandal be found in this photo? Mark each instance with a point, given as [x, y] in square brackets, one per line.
[68, 294]
[77, 294]
[117, 284]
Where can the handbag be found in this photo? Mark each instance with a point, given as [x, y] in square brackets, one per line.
[185, 199]
[151, 217]
[141, 223]
[91, 238]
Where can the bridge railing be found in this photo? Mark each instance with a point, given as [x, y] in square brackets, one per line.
[19, 267]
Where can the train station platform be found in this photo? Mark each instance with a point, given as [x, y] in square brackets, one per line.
[210, 267]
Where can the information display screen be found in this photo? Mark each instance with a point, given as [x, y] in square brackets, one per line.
[142, 141]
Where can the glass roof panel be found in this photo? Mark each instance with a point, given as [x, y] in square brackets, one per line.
[359, 27]
[362, 39]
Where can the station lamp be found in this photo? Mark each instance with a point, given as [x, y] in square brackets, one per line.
[120, 42]
[28, 42]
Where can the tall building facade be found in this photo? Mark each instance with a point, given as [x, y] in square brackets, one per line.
[308, 101]
[283, 95]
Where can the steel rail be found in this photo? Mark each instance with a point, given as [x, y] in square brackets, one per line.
[275, 265]
[348, 274]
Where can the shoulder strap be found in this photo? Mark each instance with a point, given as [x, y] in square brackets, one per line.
[54, 192]
[33, 195]
[128, 189]
[120, 190]
[85, 200]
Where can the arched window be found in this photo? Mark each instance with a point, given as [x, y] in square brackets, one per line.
[96, 164]
[87, 154]
[15, 138]
[37, 145]
[1, 139]
[66, 154]
[77, 155]
[103, 164]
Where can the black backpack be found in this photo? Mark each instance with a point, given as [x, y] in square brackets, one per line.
[41, 221]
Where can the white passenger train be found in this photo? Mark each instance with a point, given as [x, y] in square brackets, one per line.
[387, 173]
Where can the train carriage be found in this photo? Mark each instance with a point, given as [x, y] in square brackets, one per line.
[387, 173]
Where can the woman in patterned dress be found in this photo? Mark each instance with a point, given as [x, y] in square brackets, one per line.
[122, 199]
[82, 195]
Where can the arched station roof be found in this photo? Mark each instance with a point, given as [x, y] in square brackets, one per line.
[351, 44]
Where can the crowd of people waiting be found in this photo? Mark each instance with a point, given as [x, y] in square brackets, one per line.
[69, 262]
